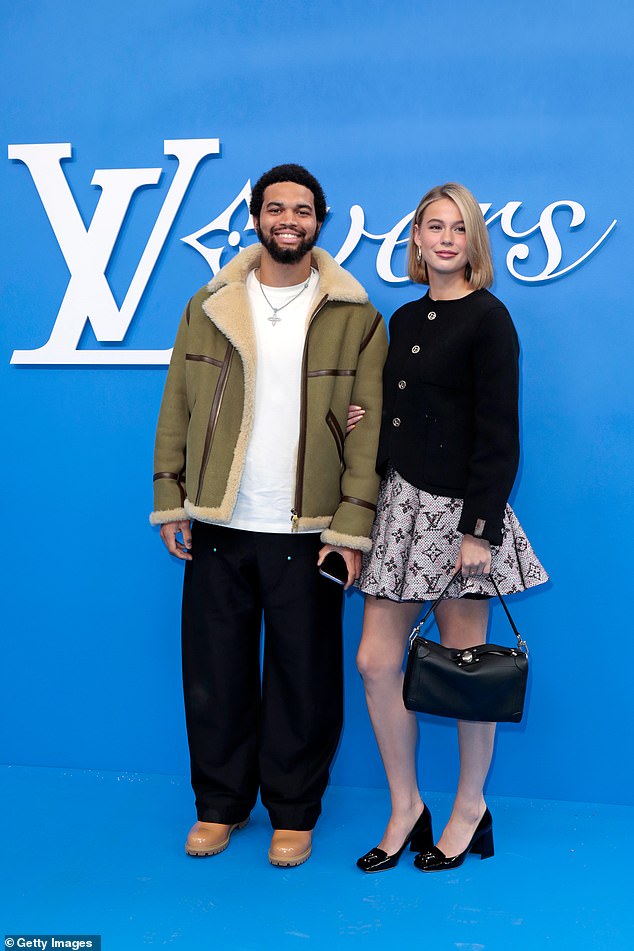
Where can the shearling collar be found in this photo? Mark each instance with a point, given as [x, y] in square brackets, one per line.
[334, 281]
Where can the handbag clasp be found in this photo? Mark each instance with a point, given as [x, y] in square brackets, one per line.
[467, 657]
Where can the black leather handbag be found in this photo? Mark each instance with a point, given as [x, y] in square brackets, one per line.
[486, 683]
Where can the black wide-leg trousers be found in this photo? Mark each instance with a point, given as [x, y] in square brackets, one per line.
[277, 731]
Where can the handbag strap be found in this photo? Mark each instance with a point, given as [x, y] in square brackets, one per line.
[522, 645]
[520, 642]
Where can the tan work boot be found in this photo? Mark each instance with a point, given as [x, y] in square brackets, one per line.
[210, 838]
[290, 847]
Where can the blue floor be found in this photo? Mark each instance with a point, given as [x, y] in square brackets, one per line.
[102, 853]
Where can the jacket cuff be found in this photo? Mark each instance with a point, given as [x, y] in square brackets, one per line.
[168, 515]
[358, 542]
[487, 528]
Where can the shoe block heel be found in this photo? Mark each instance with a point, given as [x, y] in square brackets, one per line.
[423, 840]
[484, 846]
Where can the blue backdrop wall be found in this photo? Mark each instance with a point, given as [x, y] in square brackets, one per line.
[124, 203]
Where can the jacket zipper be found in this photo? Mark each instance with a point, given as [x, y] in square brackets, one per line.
[296, 511]
[213, 416]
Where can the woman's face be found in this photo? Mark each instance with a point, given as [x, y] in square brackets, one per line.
[442, 238]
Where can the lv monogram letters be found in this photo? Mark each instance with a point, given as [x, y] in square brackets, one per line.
[87, 252]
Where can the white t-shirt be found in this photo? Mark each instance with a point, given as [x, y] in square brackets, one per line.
[266, 493]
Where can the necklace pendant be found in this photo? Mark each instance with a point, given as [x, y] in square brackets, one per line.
[274, 318]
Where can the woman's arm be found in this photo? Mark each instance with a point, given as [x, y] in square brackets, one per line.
[494, 460]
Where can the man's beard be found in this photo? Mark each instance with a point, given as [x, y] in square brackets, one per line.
[286, 255]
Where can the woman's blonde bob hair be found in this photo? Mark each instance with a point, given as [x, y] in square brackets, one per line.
[479, 270]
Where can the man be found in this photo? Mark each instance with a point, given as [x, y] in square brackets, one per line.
[250, 450]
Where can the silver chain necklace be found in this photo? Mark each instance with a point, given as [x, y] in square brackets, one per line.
[274, 319]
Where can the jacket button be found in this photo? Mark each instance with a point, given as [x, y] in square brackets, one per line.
[402, 384]
[415, 348]
[431, 315]
[396, 422]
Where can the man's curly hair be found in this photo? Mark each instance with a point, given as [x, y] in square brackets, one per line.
[288, 173]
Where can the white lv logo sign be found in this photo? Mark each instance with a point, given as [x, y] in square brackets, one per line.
[87, 252]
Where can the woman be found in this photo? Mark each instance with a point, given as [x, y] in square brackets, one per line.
[448, 454]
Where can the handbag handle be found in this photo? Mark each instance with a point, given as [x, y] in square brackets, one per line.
[522, 645]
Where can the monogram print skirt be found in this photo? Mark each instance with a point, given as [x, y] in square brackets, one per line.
[415, 543]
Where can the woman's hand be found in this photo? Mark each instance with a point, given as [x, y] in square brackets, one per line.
[355, 415]
[474, 557]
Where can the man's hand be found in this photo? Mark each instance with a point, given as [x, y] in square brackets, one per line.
[170, 530]
[351, 557]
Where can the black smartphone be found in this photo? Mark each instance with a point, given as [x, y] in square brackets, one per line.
[334, 567]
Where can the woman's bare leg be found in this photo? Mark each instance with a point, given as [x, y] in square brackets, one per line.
[386, 627]
[463, 623]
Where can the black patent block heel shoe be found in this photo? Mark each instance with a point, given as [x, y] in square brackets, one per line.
[420, 839]
[433, 860]
[484, 847]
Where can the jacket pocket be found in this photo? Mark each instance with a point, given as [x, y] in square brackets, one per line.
[333, 425]
[214, 412]
[201, 358]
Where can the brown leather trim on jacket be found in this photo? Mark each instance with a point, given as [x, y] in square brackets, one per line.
[175, 477]
[368, 337]
[203, 359]
[301, 447]
[365, 505]
[332, 373]
[214, 412]
[337, 432]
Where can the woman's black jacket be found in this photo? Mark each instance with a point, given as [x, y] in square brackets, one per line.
[450, 393]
